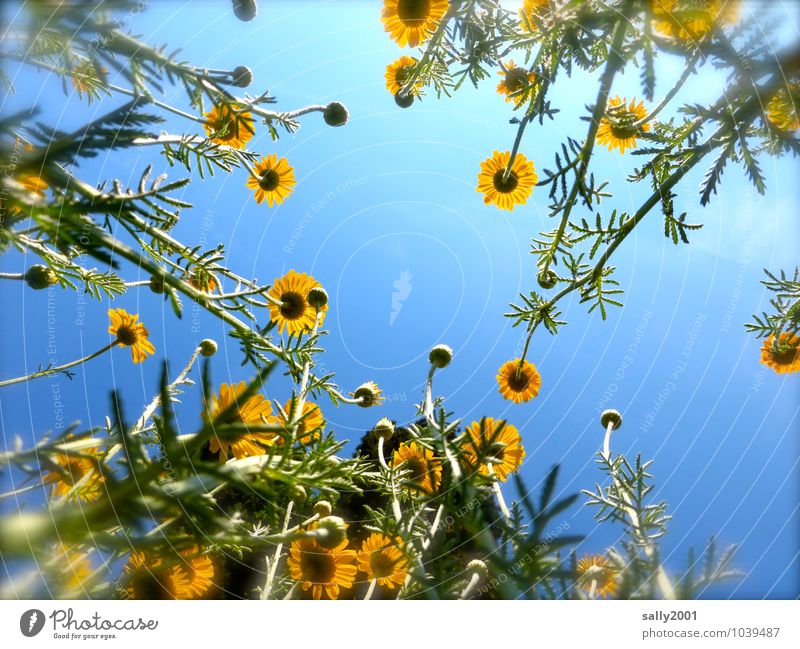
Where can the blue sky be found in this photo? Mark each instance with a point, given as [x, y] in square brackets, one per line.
[392, 196]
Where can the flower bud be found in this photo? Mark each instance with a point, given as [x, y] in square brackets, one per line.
[39, 277]
[384, 429]
[245, 10]
[322, 508]
[157, 284]
[335, 114]
[317, 297]
[611, 417]
[404, 101]
[479, 568]
[242, 76]
[298, 493]
[440, 356]
[368, 394]
[547, 279]
[208, 347]
[330, 531]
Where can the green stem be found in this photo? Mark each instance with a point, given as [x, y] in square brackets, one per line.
[58, 368]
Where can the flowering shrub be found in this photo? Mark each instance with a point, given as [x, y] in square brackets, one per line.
[260, 501]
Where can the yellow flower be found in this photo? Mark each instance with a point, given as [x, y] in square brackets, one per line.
[185, 575]
[782, 109]
[512, 190]
[323, 570]
[294, 312]
[397, 74]
[73, 569]
[531, 8]
[382, 559]
[617, 130]
[519, 383]
[516, 82]
[84, 76]
[76, 475]
[425, 470]
[412, 22]
[497, 441]
[275, 181]
[311, 424]
[130, 333]
[596, 576]
[784, 357]
[202, 280]
[368, 395]
[690, 20]
[254, 410]
[229, 125]
[34, 184]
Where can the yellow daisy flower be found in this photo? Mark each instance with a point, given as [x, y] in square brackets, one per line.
[202, 280]
[275, 181]
[503, 446]
[512, 190]
[425, 470]
[73, 569]
[519, 384]
[130, 333]
[397, 74]
[782, 109]
[382, 559]
[784, 357]
[690, 20]
[184, 575]
[78, 476]
[254, 410]
[294, 312]
[34, 184]
[232, 128]
[616, 130]
[597, 576]
[412, 22]
[531, 8]
[322, 570]
[515, 83]
[311, 424]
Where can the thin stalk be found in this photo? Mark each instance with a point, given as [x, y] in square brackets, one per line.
[58, 368]
[273, 565]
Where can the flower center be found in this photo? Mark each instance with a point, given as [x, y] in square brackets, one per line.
[505, 185]
[518, 381]
[150, 584]
[382, 564]
[413, 11]
[401, 74]
[622, 130]
[127, 335]
[516, 79]
[417, 468]
[496, 452]
[317, 567]
[293, 305]
[269, 180]
[230, 129]
[785, 355]
[71, 473]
